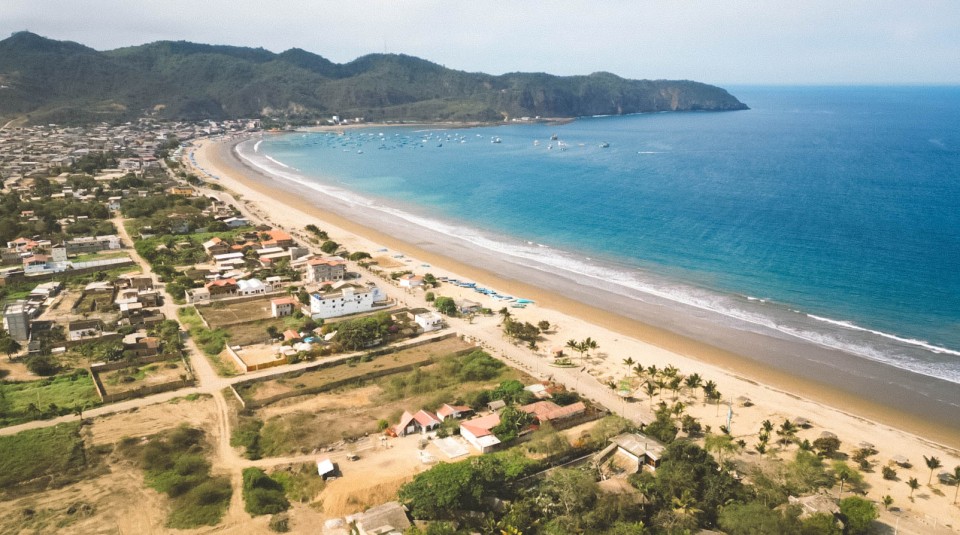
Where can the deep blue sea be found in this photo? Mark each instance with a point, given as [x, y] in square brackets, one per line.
[830, 214]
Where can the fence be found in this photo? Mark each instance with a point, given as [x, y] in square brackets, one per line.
[253, 404]
[145, 390]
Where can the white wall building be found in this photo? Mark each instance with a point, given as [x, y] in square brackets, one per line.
[348, 299]
[431, 321]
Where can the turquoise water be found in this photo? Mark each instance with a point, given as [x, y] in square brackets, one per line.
[827, 214]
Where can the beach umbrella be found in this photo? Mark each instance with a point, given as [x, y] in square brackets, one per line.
[828, 434]
[900, 459]
[802, 422]
[864, 445]
[744, 401]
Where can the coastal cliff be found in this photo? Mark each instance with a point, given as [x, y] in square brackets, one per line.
[43, 80]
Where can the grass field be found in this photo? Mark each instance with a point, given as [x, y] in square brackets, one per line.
[19, 401]
[134, 377]
[262, 390]
[51, 451]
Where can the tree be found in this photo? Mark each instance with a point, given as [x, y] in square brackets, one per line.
[512, 421]
[857, 513]
[628, 362]
[847, 475]
[429, 297]
[887, 502]
[543, 325]
[755, 518]
[913, 484]
[445, 305]
[444, 490]
[9, 345]
[709, 388]
[573, 490]
[932, 463]
[827, 446]
[329, 246]
[504, 314]
[787, 432]
[43, 365]
[888, 473]
[650, 389]
[662, 428]
[720, 444]
[693, 381]
[956, 482]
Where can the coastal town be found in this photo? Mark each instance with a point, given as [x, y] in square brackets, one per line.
[186, 353]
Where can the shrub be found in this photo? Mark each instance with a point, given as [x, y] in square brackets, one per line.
[262, 495]
[889, 473]
[43, 365]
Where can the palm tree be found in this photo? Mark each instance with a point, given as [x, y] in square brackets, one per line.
[670, 371]
[887, 502]
[956, 482]
[787, 431]
[914, 485]
[693, 381]
[629, 362]
[684, 505]
[650, 389]
[504, 314]
[767, 426]
[78, 410]
[674, 385]
[652, 371]
[661, 384]
[639, 370]
[677, 409]
[932, 463]
[720, 444]
[708, 389]
[574, 345]
[589, 344]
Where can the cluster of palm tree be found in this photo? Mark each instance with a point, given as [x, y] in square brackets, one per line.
[583, 346]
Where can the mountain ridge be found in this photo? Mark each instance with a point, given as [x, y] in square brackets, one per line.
[45, 80]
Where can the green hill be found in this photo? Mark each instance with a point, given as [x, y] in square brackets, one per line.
[64, 82]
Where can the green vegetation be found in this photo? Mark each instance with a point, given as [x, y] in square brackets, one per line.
[448, 371]
[54, 453]
[46, 398]
[211, 341]
[445, 305]
[65, 82]
[262, 495]
[363, 332]
[247, 435]
[301, 484]
[175, 464]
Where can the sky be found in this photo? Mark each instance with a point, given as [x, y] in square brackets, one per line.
[720, 42]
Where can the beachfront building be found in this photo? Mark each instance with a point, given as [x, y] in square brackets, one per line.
[410, 281]
[325, 269]
[634, 450]
[347, 299]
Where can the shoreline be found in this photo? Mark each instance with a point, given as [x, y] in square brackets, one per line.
[775, 393]
[789, 372]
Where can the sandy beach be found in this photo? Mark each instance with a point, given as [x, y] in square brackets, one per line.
[906, 414]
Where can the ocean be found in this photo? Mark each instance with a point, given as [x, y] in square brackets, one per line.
[824, 214]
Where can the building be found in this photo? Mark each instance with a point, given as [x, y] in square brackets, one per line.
[410, 281]
[348, 299]
[421, 422]
[325, 269]
[16, 320]
[78, 330]
[478, 432]
[386, 519]
[430, 321]
[216, 246]
[253, 287]
[141, 345]
[635, 449]
[282, 306]
[454, 411]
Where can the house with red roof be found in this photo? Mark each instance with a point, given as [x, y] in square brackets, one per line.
[282, 306]
[454, 411]
[421, 422]
[478, 432]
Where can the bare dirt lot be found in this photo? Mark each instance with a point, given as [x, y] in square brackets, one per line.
[126, 379]
[224, 313]
[266, 389]
[152, 419]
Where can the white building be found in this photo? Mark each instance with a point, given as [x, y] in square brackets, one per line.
[431, 321]
[410, 281]
[348, 299]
